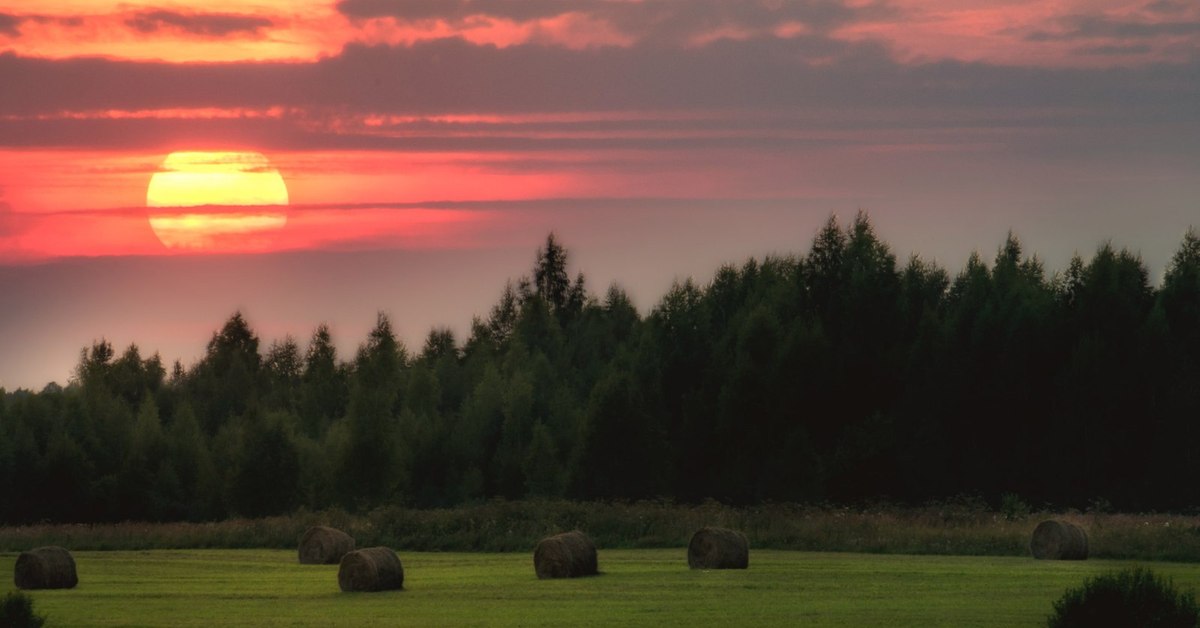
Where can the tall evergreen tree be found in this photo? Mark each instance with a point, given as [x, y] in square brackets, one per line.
[1180, 296]
[226, 382]
[266, 471]
[370, 465]
[283, 368]
[324, 387]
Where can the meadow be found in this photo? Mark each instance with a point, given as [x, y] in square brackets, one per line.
[636, 587]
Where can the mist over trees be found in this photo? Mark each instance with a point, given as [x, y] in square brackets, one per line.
[840, 375]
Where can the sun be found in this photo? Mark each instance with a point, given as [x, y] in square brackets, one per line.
[224, 200]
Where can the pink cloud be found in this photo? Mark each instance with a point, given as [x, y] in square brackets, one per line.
[574, 31]
[1077, 33]
[147, 32]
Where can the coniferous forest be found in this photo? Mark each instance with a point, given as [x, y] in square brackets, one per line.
[836, 375]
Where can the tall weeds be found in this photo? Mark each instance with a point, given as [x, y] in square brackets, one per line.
[960, 527]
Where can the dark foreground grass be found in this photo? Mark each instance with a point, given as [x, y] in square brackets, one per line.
[636, 587]
[954, 528]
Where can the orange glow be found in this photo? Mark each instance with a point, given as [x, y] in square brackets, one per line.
[57, 180]
[96, 203]
[193, 179]
[70, 28]
[178, 113]
[339, 177]
[190, 179]
[574, 30]
[416, 228]
[208, 231]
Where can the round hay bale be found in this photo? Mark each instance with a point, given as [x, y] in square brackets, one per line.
[567, 555]
[1059, 540]
[47, 567]
[371, 569]
[718, 548]
[324, 546]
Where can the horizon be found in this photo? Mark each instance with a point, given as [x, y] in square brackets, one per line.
[350, 332]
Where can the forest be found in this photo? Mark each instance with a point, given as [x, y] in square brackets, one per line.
[839, 375]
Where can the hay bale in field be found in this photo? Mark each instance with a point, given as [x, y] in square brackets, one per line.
[371, 569]
[718, 548]
[567, 555]
[1059, 540]
[321, 545]
[47, 567]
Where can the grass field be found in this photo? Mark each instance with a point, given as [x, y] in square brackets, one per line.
[637, 587]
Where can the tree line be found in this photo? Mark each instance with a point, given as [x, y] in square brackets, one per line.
[835, 375]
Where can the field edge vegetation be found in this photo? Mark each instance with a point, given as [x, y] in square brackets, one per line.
[961, 526]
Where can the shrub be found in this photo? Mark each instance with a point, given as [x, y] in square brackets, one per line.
[1013, 507]
[16, 611]
[1134, 597]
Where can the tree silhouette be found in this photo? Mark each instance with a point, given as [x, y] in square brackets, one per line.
[830, 374]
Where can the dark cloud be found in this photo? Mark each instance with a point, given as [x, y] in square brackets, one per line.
[165, 135]
[70, 22]
[85, 84]
[1169, 6]
[1115, 49]
[657, 21]
[1095, 27]
[325, 102]
[453, 76]
[417, 10]
[10, 25]
[201, 24]
[669, 21]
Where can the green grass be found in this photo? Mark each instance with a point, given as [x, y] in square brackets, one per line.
[637, 587]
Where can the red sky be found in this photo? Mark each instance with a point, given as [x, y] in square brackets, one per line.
[428, 146]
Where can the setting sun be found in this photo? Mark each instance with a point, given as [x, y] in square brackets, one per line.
[238, 191]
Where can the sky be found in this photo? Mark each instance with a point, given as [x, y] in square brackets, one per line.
[428, 146]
